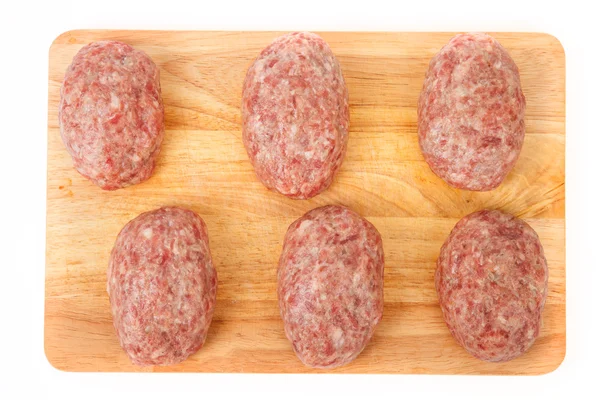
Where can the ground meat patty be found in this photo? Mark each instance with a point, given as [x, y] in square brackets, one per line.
[492, 280]
[295, 115]
[162, 286]
[111, 114]
[330, 285]
[471, 113]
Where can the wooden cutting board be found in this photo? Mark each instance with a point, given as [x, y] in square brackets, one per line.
[203, 166]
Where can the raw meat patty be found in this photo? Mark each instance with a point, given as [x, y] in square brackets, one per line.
[111, 114]
[162, 286]
[330, 285]
[471, 113]
[295, 115]
[492, 281]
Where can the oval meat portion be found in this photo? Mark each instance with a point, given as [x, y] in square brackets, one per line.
[111, 114]
[471, 113]
[492, 281]
[162, 286]
[330, 285]
[295, 115]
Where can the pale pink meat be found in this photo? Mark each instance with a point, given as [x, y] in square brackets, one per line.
[111, 114]
[492, 281]
[330, 285]
[162, 286]
[471, 113]
[295, 115]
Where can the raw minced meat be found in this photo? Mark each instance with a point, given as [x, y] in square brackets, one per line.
[162, 286]
[330, 285]
[111, 114]
[471, 113]
[492, 281]
[295, 115]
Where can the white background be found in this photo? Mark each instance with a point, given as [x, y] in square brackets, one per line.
[27, 32]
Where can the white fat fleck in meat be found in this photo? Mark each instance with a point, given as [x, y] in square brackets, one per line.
[530, 334]
[114, 101]
[338, 338]
[357, 279]
[304, 225]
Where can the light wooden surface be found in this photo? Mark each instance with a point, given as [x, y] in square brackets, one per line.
[203, 166]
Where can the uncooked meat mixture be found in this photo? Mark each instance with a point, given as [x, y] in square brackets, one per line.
[330, 285]
[471, 113]
[162, 286]
[295, 115]
[492, 280]
[111, 114]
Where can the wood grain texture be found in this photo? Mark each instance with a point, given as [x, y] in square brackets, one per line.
[203, 166]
